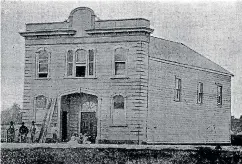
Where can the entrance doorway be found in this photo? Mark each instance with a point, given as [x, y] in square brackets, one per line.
[79, 116]
[89, 125]
[64, 126]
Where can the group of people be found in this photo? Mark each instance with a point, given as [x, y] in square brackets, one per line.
[81, 139]
[24, 135]
[31, 135]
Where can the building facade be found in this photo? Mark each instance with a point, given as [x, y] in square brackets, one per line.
[114, 81]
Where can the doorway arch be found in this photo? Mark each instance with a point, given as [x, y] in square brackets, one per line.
[86, 106]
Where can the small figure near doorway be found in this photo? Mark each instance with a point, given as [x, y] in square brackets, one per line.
[33, 131]
[23, 132]
[11, 133]
[74, 139]
[85, 138]
[54, 132]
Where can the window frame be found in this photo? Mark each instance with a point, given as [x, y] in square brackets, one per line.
[219, 94]
[36, 108]
[126, 63]
[200, 92]
[38, 62]
[113, 124]
[68, 62]
[75, 63]
[177, 89]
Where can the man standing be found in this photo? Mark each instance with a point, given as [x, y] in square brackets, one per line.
[23, 131]
[32, 132]
[11, 133]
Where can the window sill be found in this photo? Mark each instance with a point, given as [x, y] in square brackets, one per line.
[119, 77]
[177, 100]
[219, 105]
[80, 77]
[118, 126]
[43, 78]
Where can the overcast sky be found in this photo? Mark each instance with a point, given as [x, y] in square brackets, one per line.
[213, 29]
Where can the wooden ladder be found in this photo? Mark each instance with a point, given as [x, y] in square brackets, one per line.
[47, 120]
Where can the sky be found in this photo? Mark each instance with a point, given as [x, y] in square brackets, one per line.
[212, 28]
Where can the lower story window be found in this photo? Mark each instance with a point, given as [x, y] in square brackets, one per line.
[118, 114]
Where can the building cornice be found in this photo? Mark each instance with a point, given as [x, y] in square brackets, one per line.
[59, 32]
[119, 30]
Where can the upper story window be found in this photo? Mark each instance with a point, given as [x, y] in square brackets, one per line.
[118, 114]
[177, 89]
[80, 65]
[70, 63]
[120, 58]
[43, 59]
[200, 93]
[219, 94]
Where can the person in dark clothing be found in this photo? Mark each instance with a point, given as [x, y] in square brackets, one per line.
[23, 131]
[11, 133]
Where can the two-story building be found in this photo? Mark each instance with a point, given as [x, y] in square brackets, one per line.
[114, 81]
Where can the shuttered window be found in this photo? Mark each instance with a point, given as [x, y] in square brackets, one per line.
[118, 113]
[70, 63]
[82, 64]
[40, 108]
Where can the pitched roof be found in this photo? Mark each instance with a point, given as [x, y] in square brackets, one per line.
[180, 53]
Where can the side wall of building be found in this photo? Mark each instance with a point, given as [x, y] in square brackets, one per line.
[187, 121]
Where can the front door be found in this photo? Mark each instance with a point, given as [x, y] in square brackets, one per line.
[64, 126]
[89, 125]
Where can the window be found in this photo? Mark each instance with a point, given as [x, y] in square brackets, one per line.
[120, 61]
[41, 102]
[82, 65]
[200, 93]
[219, 94]
[69, 63]
[40, 106]
[177, 89]
[43, 64]
[119, 116]
[91, 62]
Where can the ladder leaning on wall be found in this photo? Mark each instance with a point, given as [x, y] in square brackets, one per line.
[47, 120]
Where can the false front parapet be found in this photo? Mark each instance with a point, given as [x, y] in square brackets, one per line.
[81, 23]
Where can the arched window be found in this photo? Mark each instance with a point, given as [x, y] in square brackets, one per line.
[120, 61]
[82, 64]
[43, 64]
[40, 108]
[41, 101]
[119, 114]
